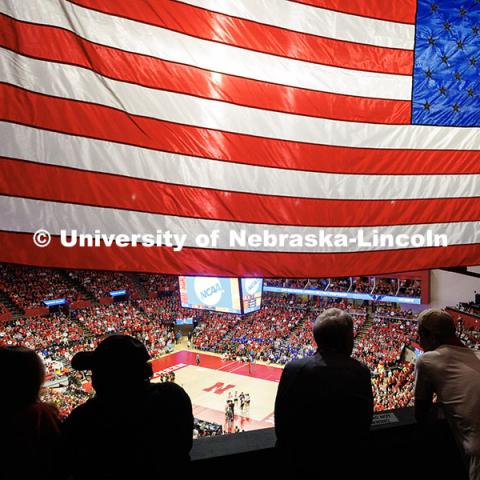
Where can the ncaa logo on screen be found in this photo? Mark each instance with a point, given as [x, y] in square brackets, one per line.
[252, 285]
[208, 290]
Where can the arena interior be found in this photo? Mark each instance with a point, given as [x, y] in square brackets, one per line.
[239, 238]
[215, 356]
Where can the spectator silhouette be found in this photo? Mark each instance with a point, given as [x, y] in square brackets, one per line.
[132, 428]
[30, 428]
[324, 403]
[452, 372]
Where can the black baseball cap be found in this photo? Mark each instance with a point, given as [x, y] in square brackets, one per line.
[114, 352]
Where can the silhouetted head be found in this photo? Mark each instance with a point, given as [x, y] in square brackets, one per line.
[333, 331]
[435, 328]
[22, 374]
[119, 363]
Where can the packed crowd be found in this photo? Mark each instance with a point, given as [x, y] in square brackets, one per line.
[410, 288]
[373, 285]
[262, 335]
[28, 287]
[100, 284]
[153, 283]
[471, 338]
[57, 337]
[382, 345]
[387, 310]
[3, 309]
[386, 286]
[49, 335]
[470, 307]
[278, 333]
[128, 319]
[165, 308]
[282, 331]
[381, 348]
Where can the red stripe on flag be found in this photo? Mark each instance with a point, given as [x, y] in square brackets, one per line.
[42, 42]
[250, 35]
[67, 185]
[19, 248]
[105, 123]
[401, 11]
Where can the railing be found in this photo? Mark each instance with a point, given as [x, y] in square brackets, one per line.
[398, 448]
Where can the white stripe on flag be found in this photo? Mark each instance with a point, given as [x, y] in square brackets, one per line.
[77, 83]
[316, 21]
[52, 148]
[172, 46]
[26, 215]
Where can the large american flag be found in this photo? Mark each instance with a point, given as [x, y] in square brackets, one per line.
[293, 116]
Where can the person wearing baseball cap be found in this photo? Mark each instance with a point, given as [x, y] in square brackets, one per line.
[119, 361]
[131, 427]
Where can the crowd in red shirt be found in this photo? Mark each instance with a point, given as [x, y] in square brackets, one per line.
[282, 331]
[3, 309]
[381, 348]
[57, 337]
[29, 286]
[131, 318]
[100, 284]
[39, 333]
[154, 283]
[279, 332]
[377, 286]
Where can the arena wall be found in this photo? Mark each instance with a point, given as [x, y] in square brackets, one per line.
[449, 288]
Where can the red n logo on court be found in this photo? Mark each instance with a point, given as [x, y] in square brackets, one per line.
[218, 388]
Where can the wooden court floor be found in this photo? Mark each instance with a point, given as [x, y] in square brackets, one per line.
[211, 382]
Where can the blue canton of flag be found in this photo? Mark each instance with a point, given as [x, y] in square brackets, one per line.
[446, 78]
